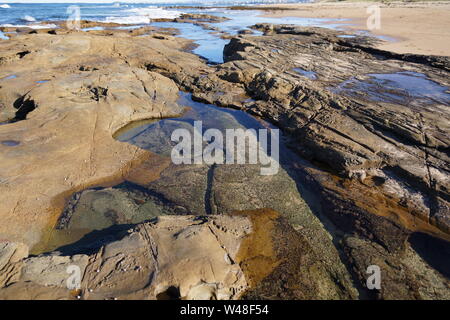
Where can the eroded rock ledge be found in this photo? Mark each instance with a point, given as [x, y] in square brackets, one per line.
[71, 93]
[342, 119]
[319, 89]
[177, 257]
[376, 164]
[379, 156]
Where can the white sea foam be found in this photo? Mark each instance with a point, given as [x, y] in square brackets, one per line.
[37, 26]
[28, 18]
[5, 6]
[143, 15]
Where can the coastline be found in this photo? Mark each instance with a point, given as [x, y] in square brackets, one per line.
[417, 27]
[86, 124]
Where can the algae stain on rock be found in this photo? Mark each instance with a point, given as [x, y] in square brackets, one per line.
[256, 255]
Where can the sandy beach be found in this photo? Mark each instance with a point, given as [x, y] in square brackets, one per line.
[420, 27]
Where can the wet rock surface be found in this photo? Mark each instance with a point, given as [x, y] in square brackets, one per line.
[179, 257]
[405, 274]
[148, 260]
[398, 143]
[378, 151]
[363, 173]
[65, 126]
[390, 126]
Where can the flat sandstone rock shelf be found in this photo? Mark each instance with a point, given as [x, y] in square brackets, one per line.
[364, 173]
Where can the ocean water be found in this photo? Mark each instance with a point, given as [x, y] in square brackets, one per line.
[126, 13]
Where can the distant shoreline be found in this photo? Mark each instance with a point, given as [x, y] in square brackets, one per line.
[416, 27]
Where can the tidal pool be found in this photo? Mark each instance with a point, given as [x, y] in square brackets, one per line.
[308, 74]
[401, 87]
[346, 36]
[209, 46]
[3, 36]
[10, 143]
[10, 77]
[155, 135]
[93, 211]
[93, 29]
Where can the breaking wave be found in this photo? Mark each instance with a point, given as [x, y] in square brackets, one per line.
[37, 26]
[28, 18]
[143, 15]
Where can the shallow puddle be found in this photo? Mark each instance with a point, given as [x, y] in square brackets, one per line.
[10, 143]
[13, 76]
[346, 36]
[93, 29]
[308, 74]
[402, 87]
[3, 36]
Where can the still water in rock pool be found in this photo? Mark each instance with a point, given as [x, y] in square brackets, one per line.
[198, 189]
[155, 136]
[404, 87]
[10, 77]
[10, 143]
[308, 74]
